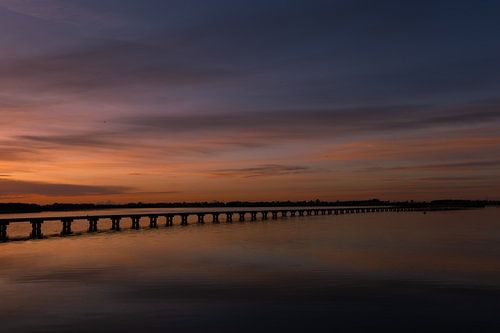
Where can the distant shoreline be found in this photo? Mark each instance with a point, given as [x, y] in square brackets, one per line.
[9, 208]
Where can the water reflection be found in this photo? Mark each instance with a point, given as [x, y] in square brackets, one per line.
[402, 271]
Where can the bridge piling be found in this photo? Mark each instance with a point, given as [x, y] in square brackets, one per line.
[153, 221]
[66, 227]
[201, 218]
[115, 223]
[215, 217]
[135, 222]
[170, 220]
[36, 229]
[92, 224]
[229, 217]
[3, 232]
[253, 216]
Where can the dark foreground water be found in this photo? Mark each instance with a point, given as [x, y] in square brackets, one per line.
[394, 271]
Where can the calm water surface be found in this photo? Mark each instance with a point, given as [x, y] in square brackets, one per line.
[398, 271]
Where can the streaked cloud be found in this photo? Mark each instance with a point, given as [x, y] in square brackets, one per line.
[107, 64]
[270, 170]
[85, 140]
[12, 187]
[335, 122]
[430, 146]
[469, 165]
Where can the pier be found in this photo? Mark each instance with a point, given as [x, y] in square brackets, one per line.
[183, 217]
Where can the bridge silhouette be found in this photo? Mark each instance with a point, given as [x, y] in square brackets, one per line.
[168, 217]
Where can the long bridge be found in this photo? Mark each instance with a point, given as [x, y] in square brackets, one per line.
[168, 217]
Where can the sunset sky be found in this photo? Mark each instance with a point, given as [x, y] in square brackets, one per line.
[159, 100]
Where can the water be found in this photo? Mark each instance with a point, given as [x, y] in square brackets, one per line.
[397, 271]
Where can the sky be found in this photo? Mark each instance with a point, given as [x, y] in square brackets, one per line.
[159, 100]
